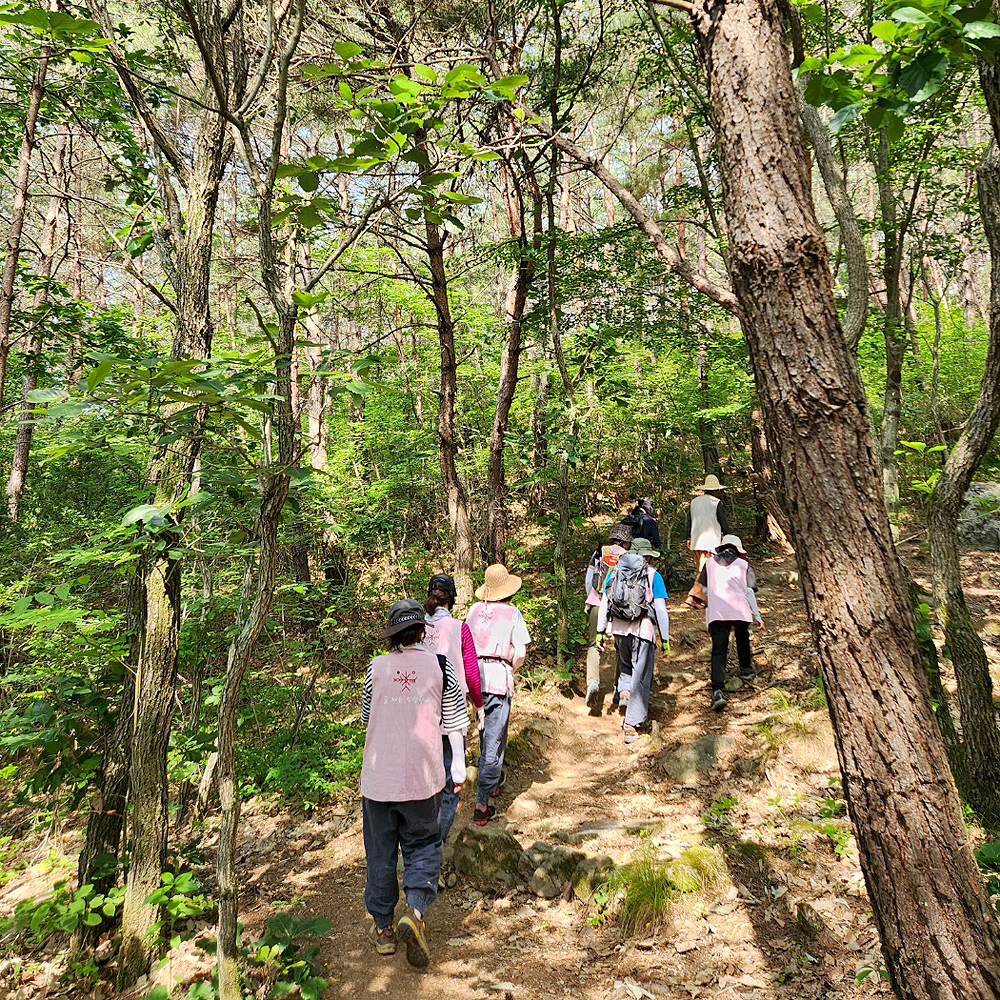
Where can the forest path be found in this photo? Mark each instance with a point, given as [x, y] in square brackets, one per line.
[742, 938]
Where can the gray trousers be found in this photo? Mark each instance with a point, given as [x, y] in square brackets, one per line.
[415, 828]
[492, 746]
[635, 661]
[593, 652]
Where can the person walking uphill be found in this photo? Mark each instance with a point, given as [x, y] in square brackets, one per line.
[449, 636]
[641, 521]
[729, 583]
[602, 562]
[705, 525]
[502, 639]
[634, 607]
[410, 697]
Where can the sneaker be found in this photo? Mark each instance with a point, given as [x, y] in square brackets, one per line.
[384, 939]
[718, 702]
[482, 816]
[748, 678]
[593, 695]
[631, 734]
[410, 930]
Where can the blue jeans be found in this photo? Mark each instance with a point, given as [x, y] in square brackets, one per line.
[449, 798]
[492, 746]
[635, 660]
[415, 828]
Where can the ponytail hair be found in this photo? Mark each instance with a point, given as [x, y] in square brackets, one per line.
[438, 599]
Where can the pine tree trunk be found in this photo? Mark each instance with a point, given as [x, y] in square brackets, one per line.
[940, 936]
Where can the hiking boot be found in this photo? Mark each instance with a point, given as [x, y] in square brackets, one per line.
[718, 702]
[748, 678]
[410, 930]
[482, 816]
[593, 695]
[384, 939]
[631, 733]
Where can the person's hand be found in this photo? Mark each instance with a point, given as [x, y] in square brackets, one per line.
[760, 624]
[480, 721]
[665, 646]
[458, 786]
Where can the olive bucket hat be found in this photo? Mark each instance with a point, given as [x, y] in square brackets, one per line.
[643, 547]
[402, 615]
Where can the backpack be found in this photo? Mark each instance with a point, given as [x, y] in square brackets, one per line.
[605, 564]
[633, 521]
[627, 596]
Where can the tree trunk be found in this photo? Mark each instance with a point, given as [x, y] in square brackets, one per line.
[940, 936]
[457, 499]
[514, 302]
[980, 737]
[12, 248]
[29, 381]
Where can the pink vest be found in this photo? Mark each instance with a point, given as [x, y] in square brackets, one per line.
[403, 756]
[491, 626]
[727, 592]
[444, 635]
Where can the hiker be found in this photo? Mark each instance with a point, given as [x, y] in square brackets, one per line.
[641, 521]
[447, 635]
[704, 525]
[501, 638]
[730, 585]
[411, 696]
[601, 563]
[634, 607]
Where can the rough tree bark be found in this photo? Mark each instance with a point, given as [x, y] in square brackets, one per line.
[940, 936]
[980, 759]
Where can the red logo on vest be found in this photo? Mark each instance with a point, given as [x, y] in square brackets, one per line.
[406, 679]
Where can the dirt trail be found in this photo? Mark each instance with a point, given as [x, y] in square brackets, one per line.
[760, 806]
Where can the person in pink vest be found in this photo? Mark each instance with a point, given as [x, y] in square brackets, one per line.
[411, 696]
[501, 638]
[730, 586]
[447, 635]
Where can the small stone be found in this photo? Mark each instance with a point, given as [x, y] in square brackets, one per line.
[698, 757]
[487, 852]
[589, 875]
[808, 920]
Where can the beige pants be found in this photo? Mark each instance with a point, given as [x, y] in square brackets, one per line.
[593, 653]
[697, 591]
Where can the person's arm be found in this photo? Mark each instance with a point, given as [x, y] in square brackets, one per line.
[602, 612]
[454, 717]
[366, 696]
[519, 638]
[751, 578]
[687, 526]
[660, 612]
[754, 610]
[458, 775]
[470, 661]
[703, 576]
[591, 582]
[720, 516]
[655, 536]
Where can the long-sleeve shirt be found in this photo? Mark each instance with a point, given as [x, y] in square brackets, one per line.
[471, 662]
[656, 591]
[694, 537]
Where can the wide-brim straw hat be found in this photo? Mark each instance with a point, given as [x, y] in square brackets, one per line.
[644, 547]
[498, 584]
[711, 483]
[733, 540]
[402, 615]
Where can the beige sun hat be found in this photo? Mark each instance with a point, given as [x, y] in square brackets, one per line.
[498, 584]
[733, 540]
[711, 483]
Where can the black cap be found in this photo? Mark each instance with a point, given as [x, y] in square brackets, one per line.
[402, 615]
[444, 583]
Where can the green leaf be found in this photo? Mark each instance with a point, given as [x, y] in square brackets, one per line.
[62, 591]
[910, 15]
[308, 180]
[886, 30]
[347, 50]
[45, 598]
[843, 116]
[45, 395]
[924, 76]
[98, 374]
[981, 29]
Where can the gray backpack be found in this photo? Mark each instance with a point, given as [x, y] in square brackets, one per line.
[627, 591]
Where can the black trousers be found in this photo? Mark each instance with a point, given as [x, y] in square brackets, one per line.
[719, 632]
